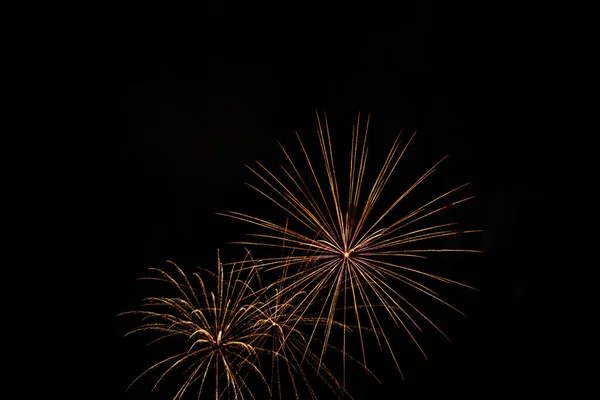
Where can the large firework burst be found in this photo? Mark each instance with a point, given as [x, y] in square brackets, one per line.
[215, 329]
[344, 255]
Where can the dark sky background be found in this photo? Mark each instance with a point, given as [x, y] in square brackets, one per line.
[192, 103]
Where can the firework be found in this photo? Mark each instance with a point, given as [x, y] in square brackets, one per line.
[215, 330]
[344, 255]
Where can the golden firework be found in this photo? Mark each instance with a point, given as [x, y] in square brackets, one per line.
[215, 329]
[342, 251]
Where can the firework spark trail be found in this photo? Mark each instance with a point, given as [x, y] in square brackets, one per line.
[339, 254]
[217, 329]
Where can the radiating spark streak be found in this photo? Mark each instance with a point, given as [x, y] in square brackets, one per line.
[431, 213]
[333, 293]
[317, 219]
[316, 180]
[419, 272]
[406, 193]
[429, 228]
[350, 277]
[392, 313]
[424, 207]
[330, 167]
[378, 288]
[418, 286]
[288, 196]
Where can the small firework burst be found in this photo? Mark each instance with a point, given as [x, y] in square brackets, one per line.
[343, 255]
[215, 330]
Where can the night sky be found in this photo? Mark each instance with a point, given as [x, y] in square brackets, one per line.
[193, 103]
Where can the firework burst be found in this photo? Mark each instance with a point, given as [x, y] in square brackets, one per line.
[215, 330]
[344, 256]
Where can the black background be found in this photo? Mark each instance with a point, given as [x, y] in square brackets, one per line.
[196, 94]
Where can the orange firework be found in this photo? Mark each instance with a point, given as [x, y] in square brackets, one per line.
[343, 255]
